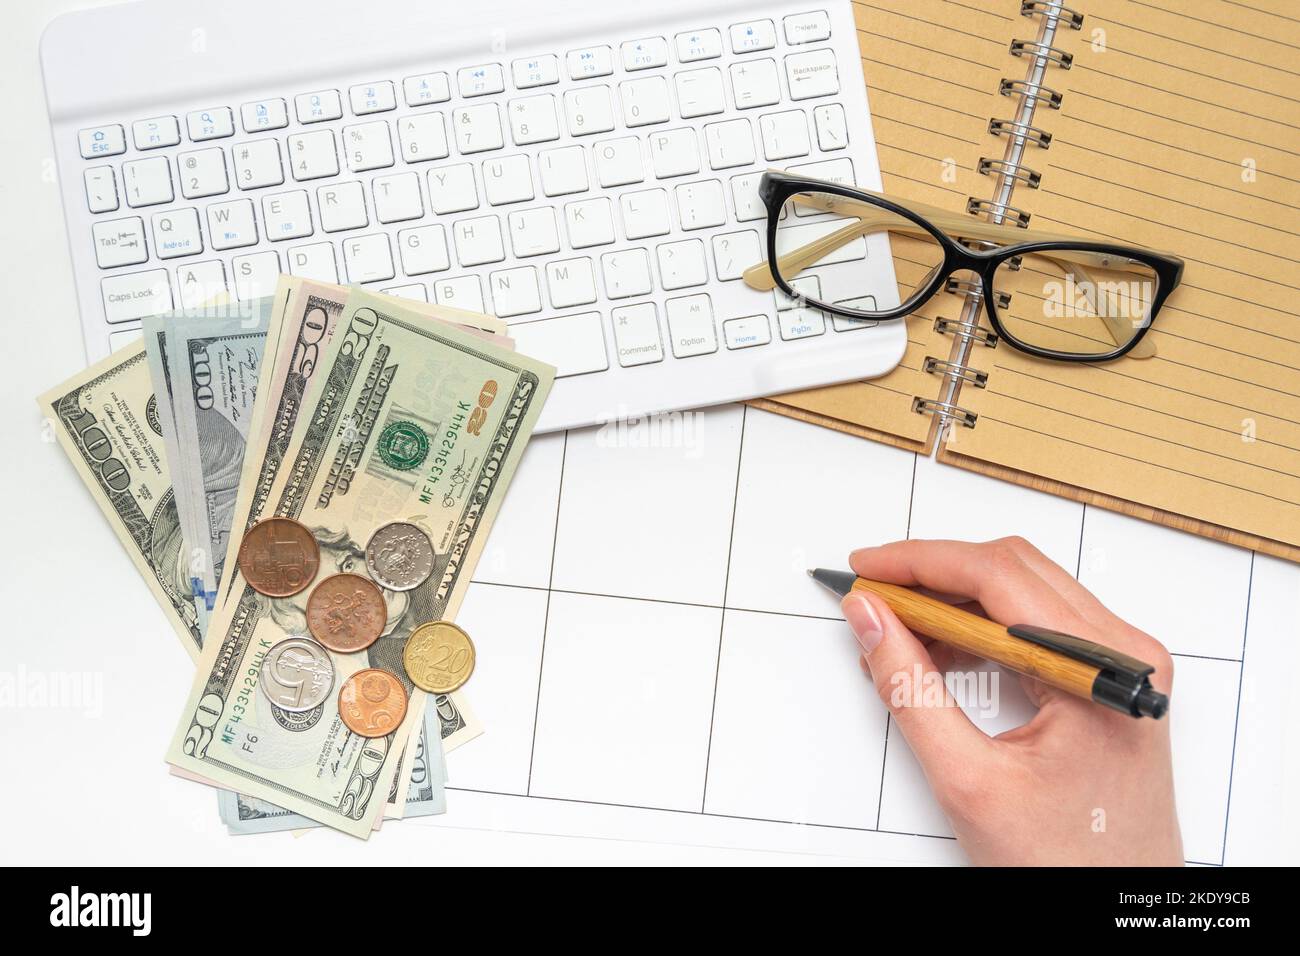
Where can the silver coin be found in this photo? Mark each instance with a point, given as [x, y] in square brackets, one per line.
[399, 556]
[297, 675]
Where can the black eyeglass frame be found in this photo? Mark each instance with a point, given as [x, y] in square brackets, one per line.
[776, 188]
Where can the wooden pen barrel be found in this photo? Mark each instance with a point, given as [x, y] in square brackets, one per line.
[984, 638]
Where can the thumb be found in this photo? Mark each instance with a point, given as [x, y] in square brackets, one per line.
[942, 737]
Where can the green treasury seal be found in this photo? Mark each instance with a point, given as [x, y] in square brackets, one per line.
[402, 445]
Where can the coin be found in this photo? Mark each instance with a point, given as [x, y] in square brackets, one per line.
[297, 675]
[438, 657]
[346, 613]
[399, 556]
[372, 703]
[278, 557]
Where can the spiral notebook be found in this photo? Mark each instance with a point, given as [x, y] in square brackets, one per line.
[1169, 125]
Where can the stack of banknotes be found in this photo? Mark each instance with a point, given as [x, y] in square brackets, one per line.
[282, 407]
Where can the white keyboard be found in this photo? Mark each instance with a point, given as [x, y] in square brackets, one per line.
[588, 173]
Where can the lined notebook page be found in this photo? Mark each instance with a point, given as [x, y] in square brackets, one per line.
[932, 69]
[1179, 130]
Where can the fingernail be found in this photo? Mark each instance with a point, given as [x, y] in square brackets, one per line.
[853, 555]
[864, 621]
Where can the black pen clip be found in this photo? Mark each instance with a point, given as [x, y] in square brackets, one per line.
[1123, 682]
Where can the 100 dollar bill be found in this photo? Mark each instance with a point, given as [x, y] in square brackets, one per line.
[107, 419]
[408, 419]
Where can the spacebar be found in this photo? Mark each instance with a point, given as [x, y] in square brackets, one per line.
[574, 344]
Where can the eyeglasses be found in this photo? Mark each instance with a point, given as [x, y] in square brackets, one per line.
[1052, 296]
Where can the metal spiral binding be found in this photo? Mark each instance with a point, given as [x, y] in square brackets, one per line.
[1009, 214]
[1000, 167]
[1053, 12]
[971, 287]
[1049, 54]
[977, 377]
[928, 406]
[1021, 131]
[964, 330]
[1049, 98]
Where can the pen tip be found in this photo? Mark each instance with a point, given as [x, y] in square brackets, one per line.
[810, 573]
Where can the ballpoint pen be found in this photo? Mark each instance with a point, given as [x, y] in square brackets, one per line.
[1077, 666]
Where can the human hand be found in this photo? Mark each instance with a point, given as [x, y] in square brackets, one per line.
[1080, 784]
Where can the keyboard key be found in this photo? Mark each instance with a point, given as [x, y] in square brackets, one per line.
[314, 261]
[645, 101]
[533, 232]
[368, 146]
[755, 83]
[812, 74]
[422, 137]
[423, 250]
[462, 292]
[701, 205]
[536, 71]
[832, 170]
[101, 189]
[199, 282]
[734, 252]
[131, 297]
[124, 337]
[102, 141]
[508, 179]
[675, 152]
[592, 61]
[397, 198]
[645, 54]
[415, 291]
[618, 162]
[478, 241]
[801, 323]
[477, 128]
[451, 189]
[147, 181]
[215, 123]
[690, 326]
[636, 334]
[515, 292]
[589, 110]
[832, 132]
[368, 258]
[231, 224]
[785, 135]
[681, 264]
[286, 215]
[426, 88]
[746, 331]
[645, 213]
[256, 274]
[564, 171]
[257, 164]
[342, 206]
[699, 45]
[807, 27]
[318, 107]
[481, 80]
[203, 173]
[176, 233]
[626, 273]
[533, 119]
[730, 143]
[313, 155]
[744, 195]
[792, 237]
[156, 133]
[570, 282]
[699, 92]
[574, 344]
[751, 36]
[590, 222]
[263, 115]
[367, 98]
[119, 242]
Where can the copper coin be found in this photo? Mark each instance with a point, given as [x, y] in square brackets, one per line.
[438, 657]
[346, 613]
[278, 557]
[372, 703]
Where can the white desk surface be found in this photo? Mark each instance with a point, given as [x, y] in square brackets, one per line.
[92, 788]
